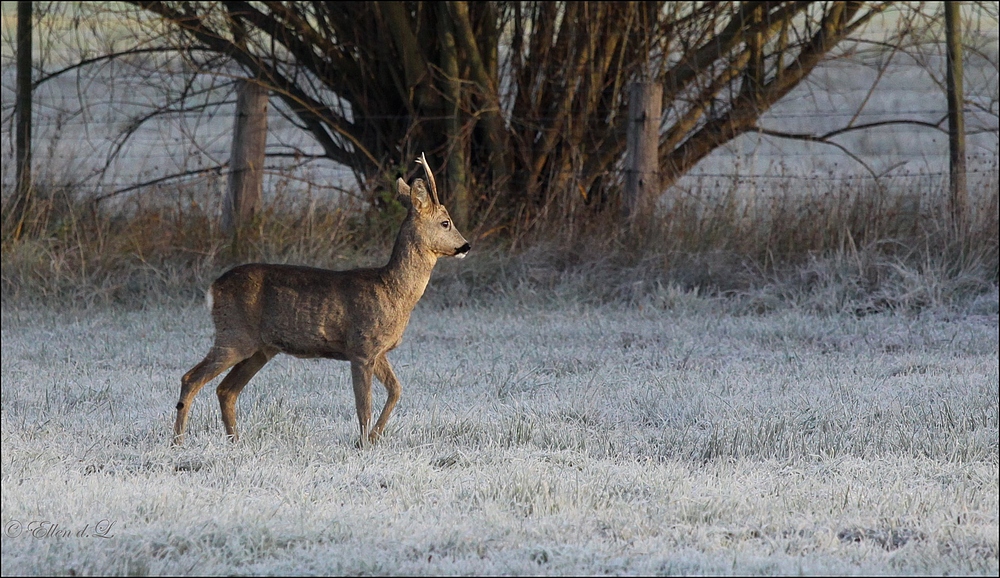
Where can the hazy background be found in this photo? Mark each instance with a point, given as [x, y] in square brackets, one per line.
[80, 118]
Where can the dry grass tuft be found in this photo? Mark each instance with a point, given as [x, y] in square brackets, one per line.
[853, 246]
[855, 249]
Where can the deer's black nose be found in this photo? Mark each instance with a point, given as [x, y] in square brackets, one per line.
[461, 251]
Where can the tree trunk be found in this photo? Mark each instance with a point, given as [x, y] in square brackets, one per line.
[958, 202]
[457, 188]
[642, 177]
[480, 72]
[246, 164]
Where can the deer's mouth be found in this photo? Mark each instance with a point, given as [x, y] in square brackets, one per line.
[462, 251]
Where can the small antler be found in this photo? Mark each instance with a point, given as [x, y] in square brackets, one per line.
[422, 161]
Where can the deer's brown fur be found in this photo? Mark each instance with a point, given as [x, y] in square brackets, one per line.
[260, 310]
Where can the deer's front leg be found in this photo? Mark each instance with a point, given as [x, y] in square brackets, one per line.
[229, 390]
[218, 360]
[361, 376]
[384, 373]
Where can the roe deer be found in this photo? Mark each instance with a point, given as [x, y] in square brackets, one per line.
[260, 310]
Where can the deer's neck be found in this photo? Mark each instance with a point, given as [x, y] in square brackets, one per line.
[408, 270]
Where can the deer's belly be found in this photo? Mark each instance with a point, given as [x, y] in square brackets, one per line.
[307, 345]
[317, 354]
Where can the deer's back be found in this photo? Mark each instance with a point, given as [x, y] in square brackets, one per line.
[303, 311]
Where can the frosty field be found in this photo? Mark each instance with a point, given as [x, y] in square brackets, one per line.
[529, 440]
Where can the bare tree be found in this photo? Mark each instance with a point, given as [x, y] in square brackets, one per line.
[523, 102]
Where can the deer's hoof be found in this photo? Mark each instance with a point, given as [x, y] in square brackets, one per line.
[366, 441]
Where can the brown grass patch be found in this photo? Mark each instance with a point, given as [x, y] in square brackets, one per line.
[851, 245]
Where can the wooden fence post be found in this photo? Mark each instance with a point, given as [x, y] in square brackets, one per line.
[958, 201]
[246, 163]
[21, 205]
[642, 170]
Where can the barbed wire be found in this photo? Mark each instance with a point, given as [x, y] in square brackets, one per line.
[73, 118]
[150, 159]
[113, 187]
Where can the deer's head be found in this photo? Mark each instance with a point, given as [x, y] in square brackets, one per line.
[431, 222]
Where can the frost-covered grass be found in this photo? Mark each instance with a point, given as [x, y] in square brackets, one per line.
[551, 439]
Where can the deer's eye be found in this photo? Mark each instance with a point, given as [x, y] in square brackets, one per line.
[446, 224]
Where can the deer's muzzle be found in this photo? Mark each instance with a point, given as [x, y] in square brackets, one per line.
[463, 250]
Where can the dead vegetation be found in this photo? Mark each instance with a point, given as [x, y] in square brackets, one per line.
[846, 246]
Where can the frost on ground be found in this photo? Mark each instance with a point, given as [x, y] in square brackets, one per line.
[557, 440]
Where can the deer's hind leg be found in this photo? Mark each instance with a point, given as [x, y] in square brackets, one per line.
[361, 378]
[218, 360]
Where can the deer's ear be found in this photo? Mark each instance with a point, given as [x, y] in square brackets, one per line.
[402, 189]
[403, 194]
[419, 198]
